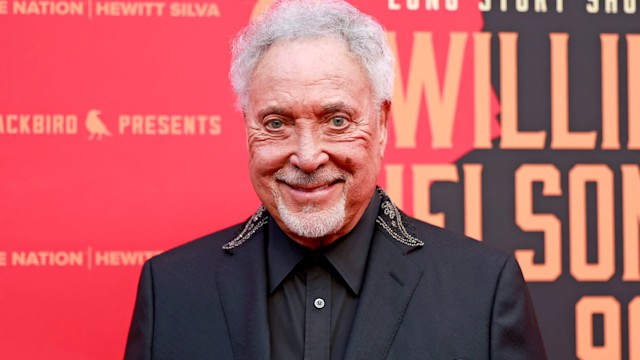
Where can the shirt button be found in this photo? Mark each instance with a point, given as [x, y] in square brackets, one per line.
[318, 303]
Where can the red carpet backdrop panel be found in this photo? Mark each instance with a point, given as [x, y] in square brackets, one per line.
[516, 122]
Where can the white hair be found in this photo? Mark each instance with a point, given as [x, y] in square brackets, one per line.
[297, 19]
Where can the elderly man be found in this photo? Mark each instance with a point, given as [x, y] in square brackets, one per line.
[328, 267]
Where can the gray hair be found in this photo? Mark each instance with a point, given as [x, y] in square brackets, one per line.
[296, 19]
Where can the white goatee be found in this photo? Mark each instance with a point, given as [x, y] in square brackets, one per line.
[311, 221]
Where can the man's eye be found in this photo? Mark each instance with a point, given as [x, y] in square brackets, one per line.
[338, 122]
[275, 124]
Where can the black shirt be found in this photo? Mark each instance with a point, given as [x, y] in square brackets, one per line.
[313, 294]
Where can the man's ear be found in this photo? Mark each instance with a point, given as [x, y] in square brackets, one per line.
[246, 128]
[385, 108]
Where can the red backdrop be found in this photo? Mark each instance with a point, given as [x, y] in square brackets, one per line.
[119, 139]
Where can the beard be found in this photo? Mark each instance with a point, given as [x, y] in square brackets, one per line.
[312, 221]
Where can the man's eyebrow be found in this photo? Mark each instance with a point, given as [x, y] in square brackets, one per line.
[325, 109]
[272, 110]
[336, 107]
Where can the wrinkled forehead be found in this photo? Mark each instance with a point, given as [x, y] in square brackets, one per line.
[333, 44]
[337, 44]
[309, 69]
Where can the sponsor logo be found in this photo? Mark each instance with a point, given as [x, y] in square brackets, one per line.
[97, 125]
[96, 128]
[110, 8]
[87, 258]
[38, 124]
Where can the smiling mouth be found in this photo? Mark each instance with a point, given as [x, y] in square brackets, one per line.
[311, 187]
[314, 186]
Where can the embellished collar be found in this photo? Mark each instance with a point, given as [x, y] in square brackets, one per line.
[390, 219]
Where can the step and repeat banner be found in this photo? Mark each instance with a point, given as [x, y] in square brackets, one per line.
[516, 122]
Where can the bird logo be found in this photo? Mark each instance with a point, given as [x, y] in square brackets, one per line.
[95, 126]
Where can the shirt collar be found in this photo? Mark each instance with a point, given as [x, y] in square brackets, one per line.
[348, 255]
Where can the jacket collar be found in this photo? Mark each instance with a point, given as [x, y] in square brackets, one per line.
[390, 218]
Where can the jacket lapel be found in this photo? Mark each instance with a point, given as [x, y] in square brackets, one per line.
[389, 284]
[242, 285]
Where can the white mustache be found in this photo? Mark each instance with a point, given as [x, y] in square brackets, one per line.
[316, 178]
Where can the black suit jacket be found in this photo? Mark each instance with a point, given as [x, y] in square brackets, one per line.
[449, 298]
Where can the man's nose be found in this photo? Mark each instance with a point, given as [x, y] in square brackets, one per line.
[309, 153]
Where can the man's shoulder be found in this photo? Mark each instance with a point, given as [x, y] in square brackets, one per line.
[205, 249]
[442, 245]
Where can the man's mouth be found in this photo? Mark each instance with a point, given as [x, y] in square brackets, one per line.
[311, 193]
[311, 187]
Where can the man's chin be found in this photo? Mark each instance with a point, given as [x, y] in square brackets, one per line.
[313, 221]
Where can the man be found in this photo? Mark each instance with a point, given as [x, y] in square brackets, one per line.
[328, 267]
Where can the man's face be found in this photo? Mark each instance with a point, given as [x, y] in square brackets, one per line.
[315, 138]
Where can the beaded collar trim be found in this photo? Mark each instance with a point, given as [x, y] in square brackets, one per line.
[255, 222]
[391, 220]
